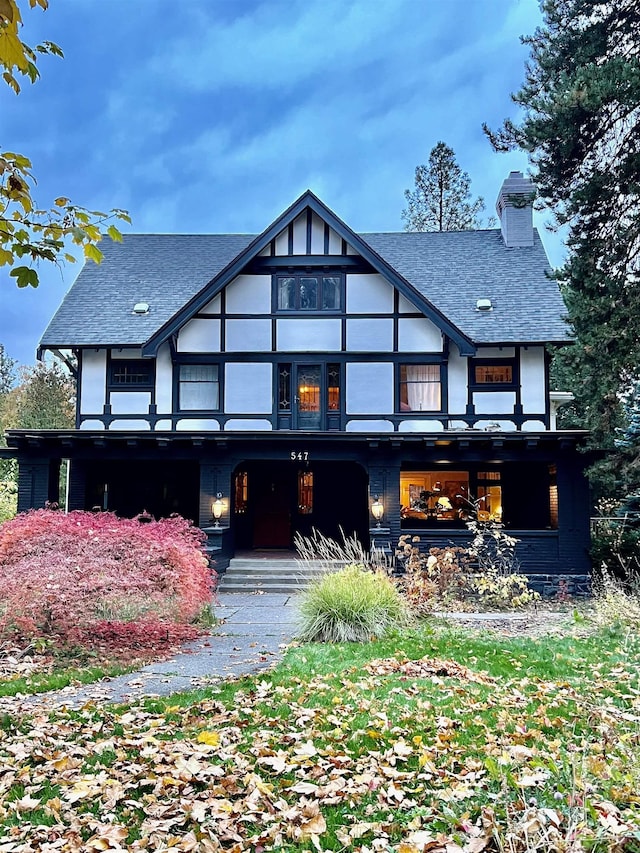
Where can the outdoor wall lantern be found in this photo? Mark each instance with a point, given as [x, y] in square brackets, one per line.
[217, 508]
[377, 510]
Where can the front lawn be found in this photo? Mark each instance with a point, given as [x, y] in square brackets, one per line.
[431, 740]
[39, 667]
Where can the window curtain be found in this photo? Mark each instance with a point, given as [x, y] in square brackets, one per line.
[199, 387]
[423, 387]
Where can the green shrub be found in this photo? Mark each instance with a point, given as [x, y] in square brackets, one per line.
[494, 591]
[8, 499]
[351, 605]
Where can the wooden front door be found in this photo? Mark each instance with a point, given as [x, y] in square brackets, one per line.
[271, 491]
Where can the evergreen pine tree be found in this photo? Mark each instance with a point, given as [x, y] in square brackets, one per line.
[581, 126]
[441, 200]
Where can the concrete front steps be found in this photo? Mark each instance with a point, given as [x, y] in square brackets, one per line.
[247, 575]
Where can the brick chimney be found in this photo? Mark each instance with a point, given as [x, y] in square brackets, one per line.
[515, 209]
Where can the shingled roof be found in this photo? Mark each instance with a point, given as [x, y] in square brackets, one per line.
[453, 269]
[450, 269]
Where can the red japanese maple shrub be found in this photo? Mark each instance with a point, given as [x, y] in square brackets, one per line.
[95, 579]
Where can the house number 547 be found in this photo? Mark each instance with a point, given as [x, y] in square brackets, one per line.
[299, 456]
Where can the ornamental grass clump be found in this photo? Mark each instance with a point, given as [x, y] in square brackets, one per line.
[616, 606]
[351, 605]
[93, 579]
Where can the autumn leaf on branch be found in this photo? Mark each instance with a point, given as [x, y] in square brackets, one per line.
[25, 230]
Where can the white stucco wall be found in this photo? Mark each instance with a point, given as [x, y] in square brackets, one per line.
[496, 352]
[212, 307]
[417, 334]
[199, 335]
[130, 402]
[249, 294]
[370, 426]
[164, 378]
[335, 243]
[369, 388]
[205, 424]
[494, 402]
[317, 235]
[368, 294]
[457, 379]
[247, 389]
[532, 378]
[282, 243]
[93, 382]
[300, 234]
[306, 334]
[420, 426]
[405, 306]
[133, 425]
[370, 335]
[248, 336]
[247, 425]
[126, 352]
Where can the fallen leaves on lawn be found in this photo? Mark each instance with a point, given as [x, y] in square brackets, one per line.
[426, 668]
[405, 756]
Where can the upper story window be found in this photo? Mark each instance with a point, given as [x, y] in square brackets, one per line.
[490, 373]
[420, 388]
[308, 292]
[198, 387]
[131, 373]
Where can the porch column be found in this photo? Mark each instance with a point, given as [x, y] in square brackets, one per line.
[77, 485]
[574, 538]
[38, 482]
[384, 481]
[216, 479]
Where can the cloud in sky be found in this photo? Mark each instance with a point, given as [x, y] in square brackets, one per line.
[214, 115]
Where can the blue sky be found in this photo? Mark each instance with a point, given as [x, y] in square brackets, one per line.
[214, 115]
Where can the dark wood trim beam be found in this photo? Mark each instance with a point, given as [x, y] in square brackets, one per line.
[352, 262]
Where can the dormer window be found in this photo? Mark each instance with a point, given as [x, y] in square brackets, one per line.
[305, 292]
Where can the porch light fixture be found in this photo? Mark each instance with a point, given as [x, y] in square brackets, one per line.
[217, 508]
[377, 510]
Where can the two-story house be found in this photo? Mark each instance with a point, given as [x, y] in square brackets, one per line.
[294, 379]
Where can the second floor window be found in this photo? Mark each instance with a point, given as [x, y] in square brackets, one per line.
[199, 388]
[420, 388]
[488, 375]
[131, 374]
[308, 292]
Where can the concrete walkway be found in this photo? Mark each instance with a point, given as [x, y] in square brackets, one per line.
[251, 635]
